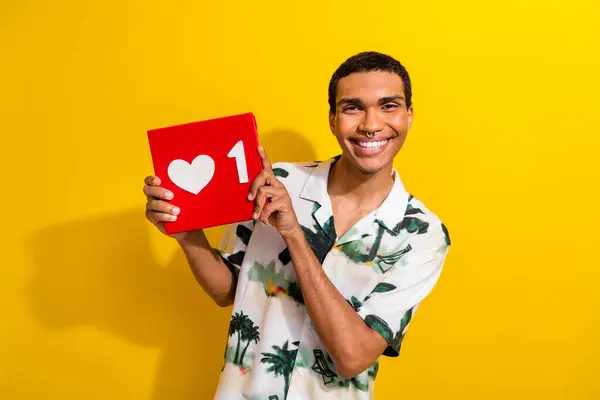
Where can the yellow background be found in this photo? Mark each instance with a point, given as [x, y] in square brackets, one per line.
[504, 148]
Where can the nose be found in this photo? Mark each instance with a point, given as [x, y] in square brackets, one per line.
[372, 122]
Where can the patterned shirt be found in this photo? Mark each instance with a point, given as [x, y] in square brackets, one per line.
[384, 266]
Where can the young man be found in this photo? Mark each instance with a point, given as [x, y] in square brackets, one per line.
[328, 274]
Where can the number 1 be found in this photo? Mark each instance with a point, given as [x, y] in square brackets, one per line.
[237, 152]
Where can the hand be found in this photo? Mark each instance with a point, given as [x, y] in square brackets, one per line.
[279, 211]
[158, 210]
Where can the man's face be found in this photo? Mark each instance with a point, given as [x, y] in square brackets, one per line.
[371, 102]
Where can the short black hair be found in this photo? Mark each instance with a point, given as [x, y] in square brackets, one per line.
[366, 62]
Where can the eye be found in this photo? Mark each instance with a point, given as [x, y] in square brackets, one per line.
[351, 108]
[390, 106]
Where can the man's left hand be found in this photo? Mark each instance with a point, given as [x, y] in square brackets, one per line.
[279, 211]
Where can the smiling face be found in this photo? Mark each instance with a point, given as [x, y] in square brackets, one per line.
[370, 102]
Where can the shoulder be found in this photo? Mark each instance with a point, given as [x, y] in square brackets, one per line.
[421, 221]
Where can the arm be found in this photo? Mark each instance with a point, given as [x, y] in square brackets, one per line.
[210, 269]
[355, 338]
[352, 344]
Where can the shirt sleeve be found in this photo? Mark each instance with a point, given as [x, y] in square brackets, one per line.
[234, 243]
[393, 302]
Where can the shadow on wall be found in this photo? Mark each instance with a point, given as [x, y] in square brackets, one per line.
[100, 272]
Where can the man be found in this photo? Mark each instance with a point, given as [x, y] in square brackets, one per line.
[327, 275]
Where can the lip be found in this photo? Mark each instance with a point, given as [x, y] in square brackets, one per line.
[367, 152]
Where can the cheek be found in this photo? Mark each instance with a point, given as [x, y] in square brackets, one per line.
[399, 123]
[346, 124]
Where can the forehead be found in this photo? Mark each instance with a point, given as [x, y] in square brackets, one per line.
[370, 84]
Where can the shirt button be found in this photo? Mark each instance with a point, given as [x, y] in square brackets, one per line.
[299, 371]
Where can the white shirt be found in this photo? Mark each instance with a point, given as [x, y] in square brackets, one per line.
[384, 266]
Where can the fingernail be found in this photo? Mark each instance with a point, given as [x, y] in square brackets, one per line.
[172, 217]
[175, 210]
[249, 196]
[168, 195]
[254, 216]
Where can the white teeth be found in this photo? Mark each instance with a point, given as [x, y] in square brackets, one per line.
[372, 145]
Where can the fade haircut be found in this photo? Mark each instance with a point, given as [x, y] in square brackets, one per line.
[369, 61]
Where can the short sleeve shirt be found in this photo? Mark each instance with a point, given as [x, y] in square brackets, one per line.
[384, 266]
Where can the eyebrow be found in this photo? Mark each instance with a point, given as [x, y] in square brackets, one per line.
[356, 100]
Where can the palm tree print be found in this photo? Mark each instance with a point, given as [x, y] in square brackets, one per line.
[412, 224]
[360, 252]
[400, 334]
[373, 370]
[280, 172]
[246, 331]
[384, 330]
[274, 282]
[381, 287]
[360, 382]
[238, 321]
[250, 334]
[447, 237]
[282, 362]
[233, 260]
[380, 326]
[319, 238]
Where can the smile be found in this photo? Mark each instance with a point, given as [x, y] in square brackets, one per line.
[372, 145]
[369, 147]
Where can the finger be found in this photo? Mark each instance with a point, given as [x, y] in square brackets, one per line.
[262, 195]
[158, 192]
[152, 180]
[264, 159]
[162, 206]
[270, 179]
[268, 213]
[158, 217]
[260, 180]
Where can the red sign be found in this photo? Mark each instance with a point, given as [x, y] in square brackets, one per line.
[209, 166]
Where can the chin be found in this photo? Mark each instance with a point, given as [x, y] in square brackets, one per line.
[369, 165]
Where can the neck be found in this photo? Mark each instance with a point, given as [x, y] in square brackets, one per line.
[345, 179]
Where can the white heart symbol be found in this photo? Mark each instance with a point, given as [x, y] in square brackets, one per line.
[192, 177]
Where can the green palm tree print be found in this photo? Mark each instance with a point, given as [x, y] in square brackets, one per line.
[413, 224]
[360, 252]
[320, 239]
[250, 334]
[282, 362]
[397, 342]
[246, 331]
[280, 173]
[274, 282]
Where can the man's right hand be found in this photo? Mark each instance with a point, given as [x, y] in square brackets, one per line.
[158, 209]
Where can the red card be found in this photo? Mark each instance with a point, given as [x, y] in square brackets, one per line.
[209, 166]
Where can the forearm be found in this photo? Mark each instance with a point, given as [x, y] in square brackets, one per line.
[347, 338]
[208, 268]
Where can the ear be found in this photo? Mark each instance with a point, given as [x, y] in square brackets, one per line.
[331, 122]
[410, 116]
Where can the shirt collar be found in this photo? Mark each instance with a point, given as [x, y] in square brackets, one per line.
[389, 214]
